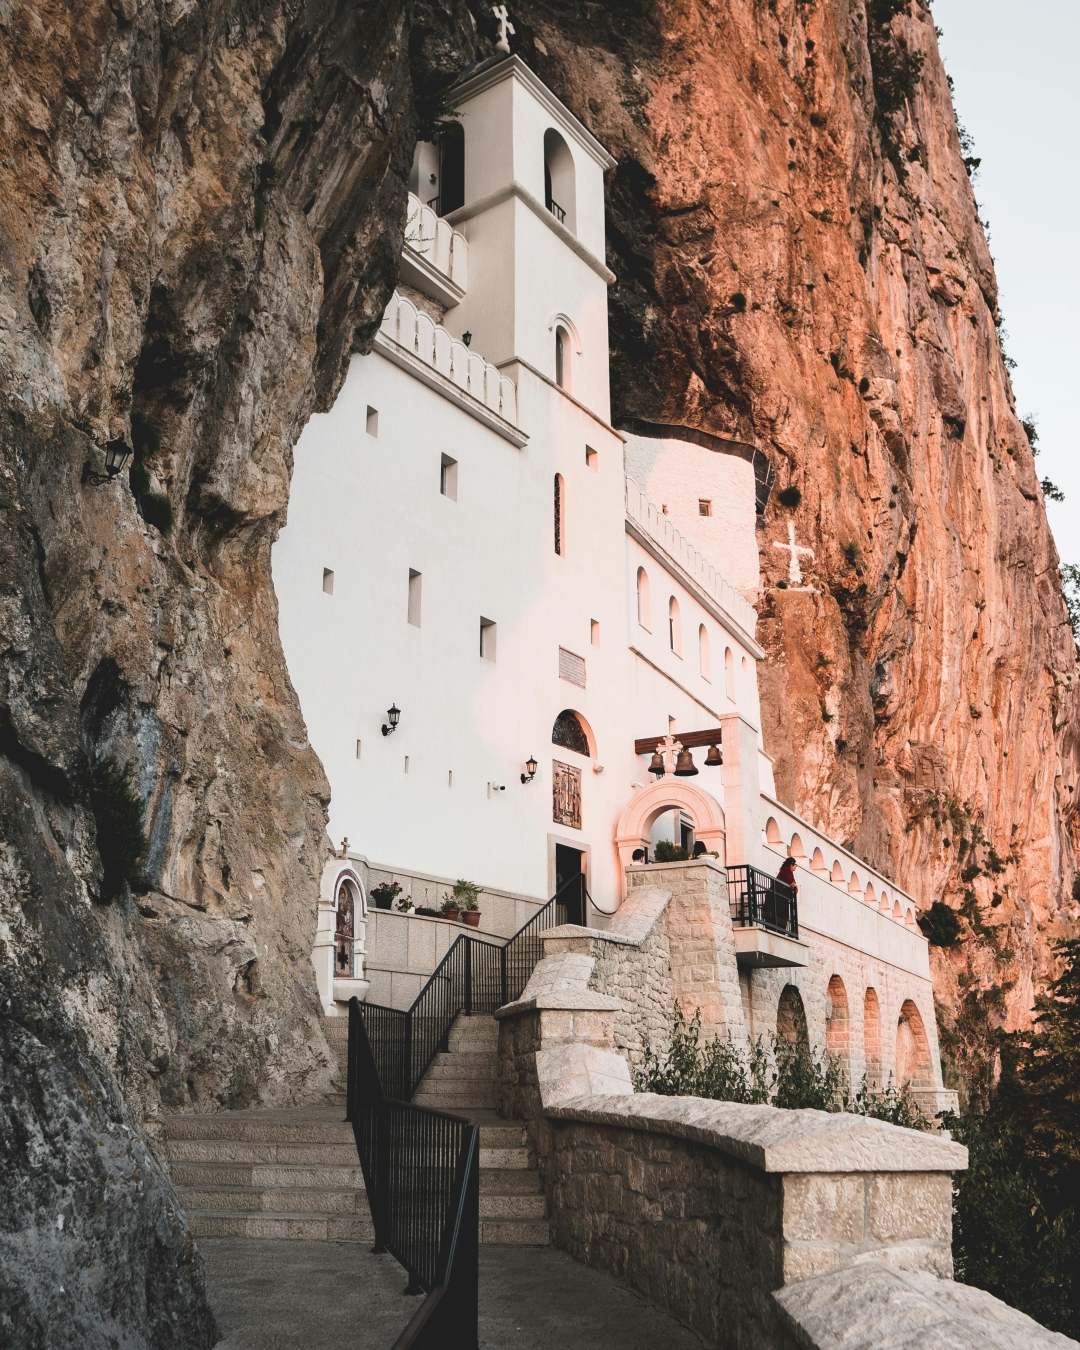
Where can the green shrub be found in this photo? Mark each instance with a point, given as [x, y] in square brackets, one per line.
[941, 925]
[666, 851]
[156, 509]
[119, 815]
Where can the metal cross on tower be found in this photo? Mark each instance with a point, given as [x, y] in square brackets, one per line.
[506, 28]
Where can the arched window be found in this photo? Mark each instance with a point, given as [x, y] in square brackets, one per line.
[451, 183]
[644, 616]
[560, 514]
[674, 627]
[344, 932]
[562, 357]
[703, 653]
[569, 732]
[872, 1039]
[560, 186]
[729, 673]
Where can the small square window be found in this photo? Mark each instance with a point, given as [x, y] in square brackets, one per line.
[592, 459]
[448, 478]
[328, 581]
[704, 507]
[594, 632]
[372, 421]
[487, 639]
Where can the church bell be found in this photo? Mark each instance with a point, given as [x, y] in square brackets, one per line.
[714, 757]
[656, 766]
[684, 765]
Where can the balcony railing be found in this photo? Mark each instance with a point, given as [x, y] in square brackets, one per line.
[559, 212]
[446, 249]
[760, 901]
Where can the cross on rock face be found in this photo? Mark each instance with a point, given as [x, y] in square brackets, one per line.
[795, 576]
[505, 28]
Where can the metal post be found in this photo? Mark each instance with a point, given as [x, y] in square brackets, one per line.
[468, 976]
[406, 1060]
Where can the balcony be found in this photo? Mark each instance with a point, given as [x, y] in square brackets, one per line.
[764, 920]
[435, 258]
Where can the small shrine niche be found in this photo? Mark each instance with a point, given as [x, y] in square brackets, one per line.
[344, 933]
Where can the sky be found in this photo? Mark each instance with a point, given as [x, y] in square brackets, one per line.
[1017, 92]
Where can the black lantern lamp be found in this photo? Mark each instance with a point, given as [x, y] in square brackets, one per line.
[117, 454]
[714, 758]
[393, 713]
[684, 765]
[531, 767]
[466, 337]
[656, 765]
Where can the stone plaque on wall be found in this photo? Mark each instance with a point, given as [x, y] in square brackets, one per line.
[566, 794]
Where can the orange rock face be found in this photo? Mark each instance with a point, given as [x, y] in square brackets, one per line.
[802, 266]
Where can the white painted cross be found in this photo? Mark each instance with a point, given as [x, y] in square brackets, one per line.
[795, 575]
[505, 28]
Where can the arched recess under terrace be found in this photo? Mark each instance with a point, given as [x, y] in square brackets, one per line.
[912, 1049]
[872, 1039]
[838, 1025]
[791, 1018]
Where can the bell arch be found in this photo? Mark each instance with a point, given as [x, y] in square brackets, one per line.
[634, 825]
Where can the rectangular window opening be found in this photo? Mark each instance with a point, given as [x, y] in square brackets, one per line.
[328, 581]
[704, 507]
[415, 581]
[448, 478]
[592, 459]
[406, 763]
[449, 778]
[357, 749]
[487, 639]
[372, 421]
[594, 632]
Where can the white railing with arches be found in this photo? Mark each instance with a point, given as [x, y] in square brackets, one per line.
[842, 897]
[423, 338]
[659, 528]
[446, 249]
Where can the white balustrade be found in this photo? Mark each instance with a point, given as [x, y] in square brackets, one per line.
[446, 249]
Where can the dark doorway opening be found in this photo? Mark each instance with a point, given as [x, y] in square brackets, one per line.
[451, 169]
[570, 883]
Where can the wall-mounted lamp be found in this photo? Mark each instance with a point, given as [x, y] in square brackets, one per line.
[117, 454]
[393, 713]
[714, 757]
[466, 337]
[656, 764]
[531, 767]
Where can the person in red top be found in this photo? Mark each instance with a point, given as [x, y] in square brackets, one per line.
[787, 874]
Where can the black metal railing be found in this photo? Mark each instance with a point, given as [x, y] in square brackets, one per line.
[435, 202]
[759, 900]
[475, 975]
[559, 212]
[422, 1174]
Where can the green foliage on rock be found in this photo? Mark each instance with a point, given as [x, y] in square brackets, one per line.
[119, 814]
[941, 925]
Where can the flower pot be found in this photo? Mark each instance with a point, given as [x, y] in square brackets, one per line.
[471, 917]
[450, 914]
[383, 901]
[424, 912]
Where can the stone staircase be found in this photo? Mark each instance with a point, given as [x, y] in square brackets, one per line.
[295, 1174]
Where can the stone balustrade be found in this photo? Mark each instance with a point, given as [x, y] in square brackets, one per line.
[435, 239]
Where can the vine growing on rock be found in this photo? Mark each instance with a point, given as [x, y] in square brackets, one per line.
[897, 74]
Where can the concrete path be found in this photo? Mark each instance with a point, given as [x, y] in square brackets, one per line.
[270, 1295]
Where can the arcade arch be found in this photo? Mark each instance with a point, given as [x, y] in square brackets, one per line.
[634, 826]
[872, 1038]
[912, 1049]
[838, 1024]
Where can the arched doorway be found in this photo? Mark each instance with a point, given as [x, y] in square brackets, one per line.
[838, 1025]
[872, 1040]
[634, 826]
[791, 1018]
[912, 1049]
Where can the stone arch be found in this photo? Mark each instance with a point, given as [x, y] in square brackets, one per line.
[912, 1049]
[817, 862]
[837, 874]
[897, 912]
[883, 903]
[854, 885]
[772, 833]
[636, 821]
[572, 732]
[872, 1039]
[791, 1018]
[909, 917]
[868, 894]
[795, 848]
[838, 1024]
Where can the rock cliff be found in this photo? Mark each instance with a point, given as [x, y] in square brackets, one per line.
[201, 208]
[802, 267]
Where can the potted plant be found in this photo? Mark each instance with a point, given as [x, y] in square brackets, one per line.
[405, 905]
[449, 908]
[384, 894]
[465, 899]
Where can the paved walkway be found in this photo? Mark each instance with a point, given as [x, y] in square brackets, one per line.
[270, 1295]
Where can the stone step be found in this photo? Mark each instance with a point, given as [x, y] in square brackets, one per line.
[453, 1071]
[309, 1227]
[281, 1200]
[480, 1060]
[509, 1181]
[230, 1174]
[502, 1136]
[514, 1233]
[241, 1151]
[503, 1158]
[276, 1127]
[457, 1104]
[511, 1207]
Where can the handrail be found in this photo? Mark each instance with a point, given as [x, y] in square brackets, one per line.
[475, 975]
[762, 901]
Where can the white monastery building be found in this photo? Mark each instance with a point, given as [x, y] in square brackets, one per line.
[481, 577]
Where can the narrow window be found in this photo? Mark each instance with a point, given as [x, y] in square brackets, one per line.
[449, 778]
[448, 478]
[703, 653]
[406, 763]
[328, 581]
[415, 581]
[674, 627]
[643, 600]
[487, 639]
[672, 726]
[372, 421]
[592, 459]
[562, 357]
[560, 506]
[357, 749]
[729, 673]
[704, 507]
[594, 632]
